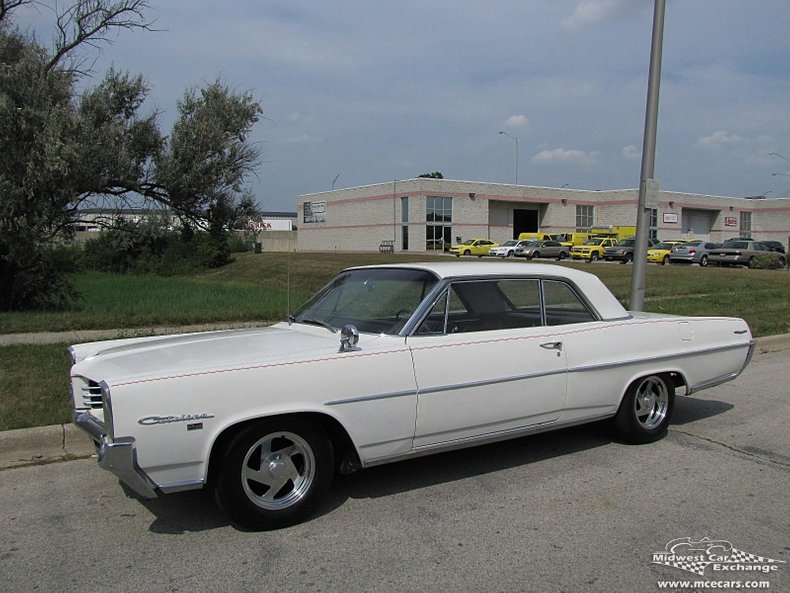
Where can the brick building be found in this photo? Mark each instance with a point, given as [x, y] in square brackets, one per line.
[424, 215]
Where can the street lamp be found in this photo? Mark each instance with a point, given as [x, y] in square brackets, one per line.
[516, 141]
[779, 155]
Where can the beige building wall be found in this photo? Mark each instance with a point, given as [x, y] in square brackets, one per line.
[361, 218]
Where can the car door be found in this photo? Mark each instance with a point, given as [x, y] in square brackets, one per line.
[485, 363]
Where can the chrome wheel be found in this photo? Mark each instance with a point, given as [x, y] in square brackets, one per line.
[274, 473]
[278, 470]
[651, 403]
[645, 409]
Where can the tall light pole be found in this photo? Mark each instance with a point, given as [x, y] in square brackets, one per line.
[335, 179]
[516, 141]
[781, 156]
[648, 188]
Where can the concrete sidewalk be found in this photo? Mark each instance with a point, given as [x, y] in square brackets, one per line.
[61, 442]
[91, 335]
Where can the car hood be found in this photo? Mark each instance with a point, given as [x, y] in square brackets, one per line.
[116, 361]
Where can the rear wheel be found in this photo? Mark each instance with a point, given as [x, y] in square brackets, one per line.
[703, 261]
[274, 473]
[752, 263]
[646, 408]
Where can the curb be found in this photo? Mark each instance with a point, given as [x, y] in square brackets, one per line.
[62, 442]
[43, 444]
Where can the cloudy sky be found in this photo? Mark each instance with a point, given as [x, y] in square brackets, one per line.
[378, 90]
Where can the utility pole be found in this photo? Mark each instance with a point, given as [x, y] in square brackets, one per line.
[648, 187]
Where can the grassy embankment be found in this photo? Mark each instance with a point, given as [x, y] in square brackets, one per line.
[33, 382]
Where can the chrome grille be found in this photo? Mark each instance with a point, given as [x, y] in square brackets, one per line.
[92, 395]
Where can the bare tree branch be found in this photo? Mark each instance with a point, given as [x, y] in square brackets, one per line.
[6, 6]
[89, 22]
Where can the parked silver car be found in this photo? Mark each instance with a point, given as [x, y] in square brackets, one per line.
[743, 253]
[693, 252]
[507, 249]
[542, 249]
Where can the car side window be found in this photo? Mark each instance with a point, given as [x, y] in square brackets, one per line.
[563, 305]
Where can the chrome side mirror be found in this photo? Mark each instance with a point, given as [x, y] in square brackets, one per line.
[349, 336]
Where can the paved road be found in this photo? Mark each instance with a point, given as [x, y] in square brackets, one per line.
[570, 511]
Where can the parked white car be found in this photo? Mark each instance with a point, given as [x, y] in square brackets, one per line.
[507, 249]
[386, 363]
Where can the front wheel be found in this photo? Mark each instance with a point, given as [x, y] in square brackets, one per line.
[593, 257]
[562, 256]
[665, 261]
[274, 473]
[645, 411]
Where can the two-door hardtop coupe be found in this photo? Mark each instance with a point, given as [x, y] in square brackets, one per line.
[385, 363]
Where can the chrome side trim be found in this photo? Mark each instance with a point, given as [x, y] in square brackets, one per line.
[181, 486]
[481, 440]
[664, 357]
[370, 398]
[724, 378]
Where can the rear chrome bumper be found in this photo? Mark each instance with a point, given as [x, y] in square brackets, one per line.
[118, 456]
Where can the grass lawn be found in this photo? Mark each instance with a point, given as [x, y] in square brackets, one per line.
[33, 379]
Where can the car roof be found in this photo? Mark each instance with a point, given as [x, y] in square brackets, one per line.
[591, 286]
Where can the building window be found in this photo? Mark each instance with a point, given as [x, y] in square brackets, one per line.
[653, 228]
[585, 218]
[746, 224]
[404, 220]
[438, 223]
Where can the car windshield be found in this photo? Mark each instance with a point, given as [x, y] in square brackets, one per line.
[373, 300]
[662, 246]
[626, 243]
[509, 243]
[593, 242]
[469, 242]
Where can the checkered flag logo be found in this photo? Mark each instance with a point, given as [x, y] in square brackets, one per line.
[745, 557]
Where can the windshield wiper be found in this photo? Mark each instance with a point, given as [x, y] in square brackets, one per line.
[318, 322]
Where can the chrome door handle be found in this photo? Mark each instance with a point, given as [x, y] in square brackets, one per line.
[552, 345]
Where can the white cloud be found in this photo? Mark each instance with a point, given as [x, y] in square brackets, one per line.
[592, 12]
[516, 121]
[718, 139]
[560, 156]
[631, 152]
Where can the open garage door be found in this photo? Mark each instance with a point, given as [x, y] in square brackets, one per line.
[524, 221]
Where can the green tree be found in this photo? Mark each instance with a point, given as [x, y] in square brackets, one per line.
[61, 150]
[434, 175]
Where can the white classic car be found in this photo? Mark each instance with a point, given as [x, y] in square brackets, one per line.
[385, 363]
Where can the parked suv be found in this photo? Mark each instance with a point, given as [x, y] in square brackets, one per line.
[693, 252]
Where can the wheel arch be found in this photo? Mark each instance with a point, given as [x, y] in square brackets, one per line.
[344, 449]
[676, 379]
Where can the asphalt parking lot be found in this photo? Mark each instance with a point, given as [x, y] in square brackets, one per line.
[568, 511]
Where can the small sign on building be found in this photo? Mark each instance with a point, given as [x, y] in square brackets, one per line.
[671, 217]
[314, 212]
[730, 221]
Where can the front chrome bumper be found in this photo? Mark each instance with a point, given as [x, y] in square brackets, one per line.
[118, 457]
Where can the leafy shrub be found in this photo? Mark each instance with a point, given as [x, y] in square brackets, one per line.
[763, 260]
[152, 248]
